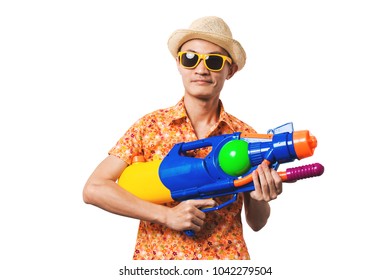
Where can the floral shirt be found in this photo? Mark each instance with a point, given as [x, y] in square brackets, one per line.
[222, 235]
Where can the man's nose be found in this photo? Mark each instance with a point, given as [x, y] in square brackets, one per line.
[201, 68]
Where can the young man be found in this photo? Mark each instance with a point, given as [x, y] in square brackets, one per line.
[206, 55]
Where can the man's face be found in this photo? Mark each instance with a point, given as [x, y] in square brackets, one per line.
[201, 82]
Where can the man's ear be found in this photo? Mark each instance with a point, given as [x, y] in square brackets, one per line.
[232, 70]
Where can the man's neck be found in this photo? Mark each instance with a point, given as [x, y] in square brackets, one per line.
[203, 114]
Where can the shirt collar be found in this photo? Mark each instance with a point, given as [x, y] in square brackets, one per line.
[178, 112]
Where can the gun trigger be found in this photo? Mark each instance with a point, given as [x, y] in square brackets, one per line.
[220, 206]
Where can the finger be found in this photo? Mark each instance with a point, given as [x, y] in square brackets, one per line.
[263, 182]
[197, 222]
[278, 181]
[203, 204]
[200, 203]
[256, 183]
[195, 228]
[191, 225]
[196, 219]
[194, 207]
[190, 221]
[270, 180]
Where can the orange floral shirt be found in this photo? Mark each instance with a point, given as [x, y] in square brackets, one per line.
[222, 236]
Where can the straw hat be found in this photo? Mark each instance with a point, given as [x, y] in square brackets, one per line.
[212, 29]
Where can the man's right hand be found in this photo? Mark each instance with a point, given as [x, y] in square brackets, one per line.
[187, 215]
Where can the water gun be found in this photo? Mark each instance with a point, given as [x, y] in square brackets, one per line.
[226, 170]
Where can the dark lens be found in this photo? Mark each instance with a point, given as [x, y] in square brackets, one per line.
[189, 59]
[214, 62]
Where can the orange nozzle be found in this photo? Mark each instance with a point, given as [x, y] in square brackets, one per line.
[304, 143]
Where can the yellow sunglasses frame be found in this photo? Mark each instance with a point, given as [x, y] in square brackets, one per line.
[204, 57]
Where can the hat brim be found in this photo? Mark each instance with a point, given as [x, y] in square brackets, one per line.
[233, 47]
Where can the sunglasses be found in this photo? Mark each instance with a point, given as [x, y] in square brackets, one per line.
[213, 62]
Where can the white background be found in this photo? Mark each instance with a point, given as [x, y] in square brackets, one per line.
[74, 75]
